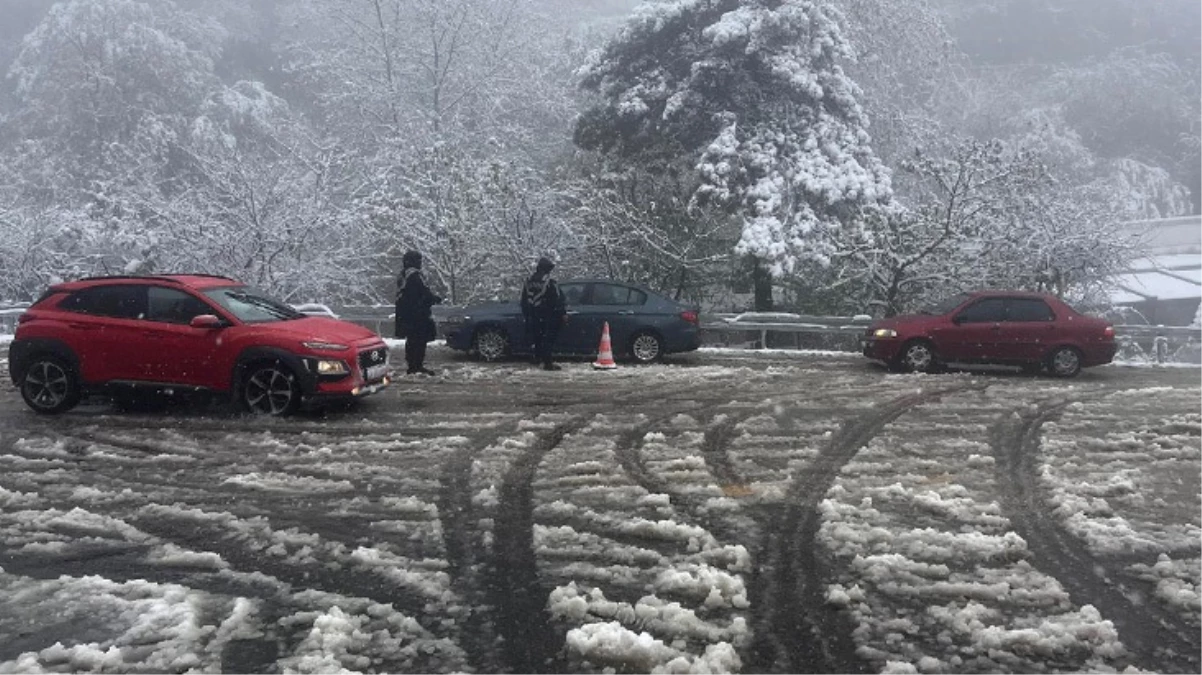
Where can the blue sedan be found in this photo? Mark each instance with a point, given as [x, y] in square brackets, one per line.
[643, 325]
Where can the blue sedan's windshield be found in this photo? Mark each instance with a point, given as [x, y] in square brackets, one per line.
[251, 306]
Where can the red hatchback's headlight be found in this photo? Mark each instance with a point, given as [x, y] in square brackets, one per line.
[1108, 332]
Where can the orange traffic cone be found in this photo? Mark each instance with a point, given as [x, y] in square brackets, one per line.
[605, 353]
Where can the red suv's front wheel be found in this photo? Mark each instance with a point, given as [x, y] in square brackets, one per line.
[50, 386]
[270, 389]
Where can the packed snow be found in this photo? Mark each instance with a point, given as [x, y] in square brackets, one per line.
[689, 517]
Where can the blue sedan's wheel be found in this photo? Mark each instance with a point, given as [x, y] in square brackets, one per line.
[491, 343]
[646, 348]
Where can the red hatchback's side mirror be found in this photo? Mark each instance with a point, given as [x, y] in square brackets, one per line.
[206, 321]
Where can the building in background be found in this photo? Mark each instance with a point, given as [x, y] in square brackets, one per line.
[1166, 285]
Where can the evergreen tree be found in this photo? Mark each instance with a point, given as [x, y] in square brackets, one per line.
[751, 93]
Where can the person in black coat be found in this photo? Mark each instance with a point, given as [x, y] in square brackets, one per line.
[414, 321]
[544, 310]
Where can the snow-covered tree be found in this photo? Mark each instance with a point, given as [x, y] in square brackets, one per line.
[635, 225]
[989, 215]
[906, 62]
[752, 93]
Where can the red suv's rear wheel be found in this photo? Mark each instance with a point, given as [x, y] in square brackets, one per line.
[50, 386]
[270, 389]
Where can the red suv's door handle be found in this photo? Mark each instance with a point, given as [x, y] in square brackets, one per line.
[82, 326]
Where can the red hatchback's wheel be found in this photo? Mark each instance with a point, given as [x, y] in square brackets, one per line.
[918, 356]
[1064, 362]
[270, 389]
[50, 386]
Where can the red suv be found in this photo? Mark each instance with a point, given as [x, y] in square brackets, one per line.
[1034, 330]
[189, 332]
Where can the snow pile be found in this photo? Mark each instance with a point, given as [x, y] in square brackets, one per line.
[714, 587]
[670, 619]
[355, 635]
[611, 646]
[103, 626]
[283, 482]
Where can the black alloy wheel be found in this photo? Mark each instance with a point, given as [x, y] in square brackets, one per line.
[50, 386]
[270, 389]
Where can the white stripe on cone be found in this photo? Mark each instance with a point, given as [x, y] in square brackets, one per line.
[605, 353]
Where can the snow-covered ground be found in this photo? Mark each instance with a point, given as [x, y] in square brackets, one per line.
[729, 512]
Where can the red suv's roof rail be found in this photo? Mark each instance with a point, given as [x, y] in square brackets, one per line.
[173, 278]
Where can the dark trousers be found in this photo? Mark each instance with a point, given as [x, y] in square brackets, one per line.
[415, 353]
[542, 332]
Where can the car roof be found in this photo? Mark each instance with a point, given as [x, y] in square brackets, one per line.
[609, 281]
[196, 281]
[1011, 294]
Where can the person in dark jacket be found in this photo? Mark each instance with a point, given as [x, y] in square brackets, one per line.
[544, 310]
[414, 321]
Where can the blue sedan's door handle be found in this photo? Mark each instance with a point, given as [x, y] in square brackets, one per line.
[626, 312]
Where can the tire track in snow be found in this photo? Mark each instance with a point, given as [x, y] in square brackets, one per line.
[462, 541]
[318, 574]
[531, 644]
[1159, 640]
[715, 449]
[795, 630]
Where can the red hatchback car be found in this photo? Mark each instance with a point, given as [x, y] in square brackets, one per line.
[189, 333]
[1037, 331]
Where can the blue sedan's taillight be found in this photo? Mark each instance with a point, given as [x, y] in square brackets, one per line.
[690, 316]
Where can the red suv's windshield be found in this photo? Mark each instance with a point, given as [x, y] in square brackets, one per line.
[250, 306]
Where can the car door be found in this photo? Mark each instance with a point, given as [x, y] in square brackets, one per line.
[572, 333]
[104, 323]
[1030, 324]
[605, 303]
[176, 352]
[974, 331]
[622, 307]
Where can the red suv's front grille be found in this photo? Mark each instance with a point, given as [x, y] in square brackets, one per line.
[373, 363]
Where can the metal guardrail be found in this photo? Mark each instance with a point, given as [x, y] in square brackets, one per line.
[814, 332]
[8, 317]
[1149, 344]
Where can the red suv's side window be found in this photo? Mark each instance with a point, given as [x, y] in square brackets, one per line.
[121, 302]
[172, 306]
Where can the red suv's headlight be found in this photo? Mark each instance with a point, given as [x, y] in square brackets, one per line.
[1108, 332]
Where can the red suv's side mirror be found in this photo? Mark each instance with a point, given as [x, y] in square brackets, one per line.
[206, 321]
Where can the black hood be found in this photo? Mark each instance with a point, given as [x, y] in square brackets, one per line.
[412, 259]
[544, 265]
